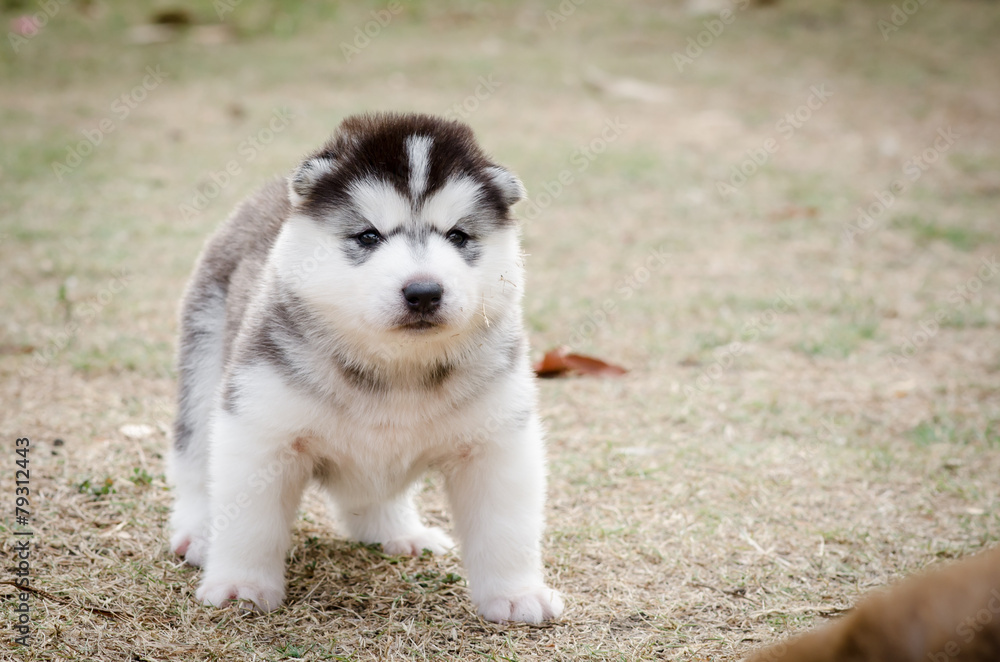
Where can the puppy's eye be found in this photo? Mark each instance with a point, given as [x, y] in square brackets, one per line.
[368, 238]
[457, 237]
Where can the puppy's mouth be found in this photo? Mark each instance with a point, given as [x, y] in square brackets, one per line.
[419, 325]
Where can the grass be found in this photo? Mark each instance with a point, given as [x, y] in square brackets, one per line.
[925, 231]
[840, 339]
[703, 505]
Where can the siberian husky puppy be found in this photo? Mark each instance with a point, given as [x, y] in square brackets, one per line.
[358, 325]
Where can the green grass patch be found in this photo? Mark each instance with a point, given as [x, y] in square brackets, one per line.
[926, 231]
[943, 429]
[839, 339]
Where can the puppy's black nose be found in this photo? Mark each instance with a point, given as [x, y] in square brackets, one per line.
[423, 296]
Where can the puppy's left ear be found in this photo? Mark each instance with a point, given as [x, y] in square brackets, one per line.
[510, 186]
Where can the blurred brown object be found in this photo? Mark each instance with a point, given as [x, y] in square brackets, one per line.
[950, 614]
[560, 362]
[176, 16]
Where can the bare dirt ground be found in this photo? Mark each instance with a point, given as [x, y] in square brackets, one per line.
[788, 233]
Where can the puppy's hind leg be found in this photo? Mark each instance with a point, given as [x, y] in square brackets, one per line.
[395, 524]
[200, 370]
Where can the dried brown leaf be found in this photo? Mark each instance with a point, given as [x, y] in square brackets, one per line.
[560, 362]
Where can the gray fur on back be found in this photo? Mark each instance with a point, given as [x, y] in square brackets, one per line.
[225, 278]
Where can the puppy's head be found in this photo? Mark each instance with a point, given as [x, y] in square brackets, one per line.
[401, 226]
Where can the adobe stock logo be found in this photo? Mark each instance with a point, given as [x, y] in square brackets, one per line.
[784, 302]
[581, 158]
[714, 27]
[786, 127]
[120, 108]
[900, 15]
[363, 34]
[28, 27]
[929, 327]
[566, 9]
[470, 104]
[248, 149]
[656, 261]
[970, 626]
[913, 169]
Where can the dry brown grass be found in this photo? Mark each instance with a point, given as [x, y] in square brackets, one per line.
[688, 520]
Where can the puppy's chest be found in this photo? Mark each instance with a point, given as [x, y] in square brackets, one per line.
[396, 431]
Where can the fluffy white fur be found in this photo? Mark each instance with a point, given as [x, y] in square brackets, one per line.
[375, 446]
[418, 150]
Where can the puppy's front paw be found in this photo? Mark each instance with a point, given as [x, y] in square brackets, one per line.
[265, 596]
[191, 546]
[431, 538]
[530, 605]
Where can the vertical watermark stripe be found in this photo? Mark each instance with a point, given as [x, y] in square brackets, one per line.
[22, 542]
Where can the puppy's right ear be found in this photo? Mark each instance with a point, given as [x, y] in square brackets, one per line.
[305, 177]
[511, 188]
